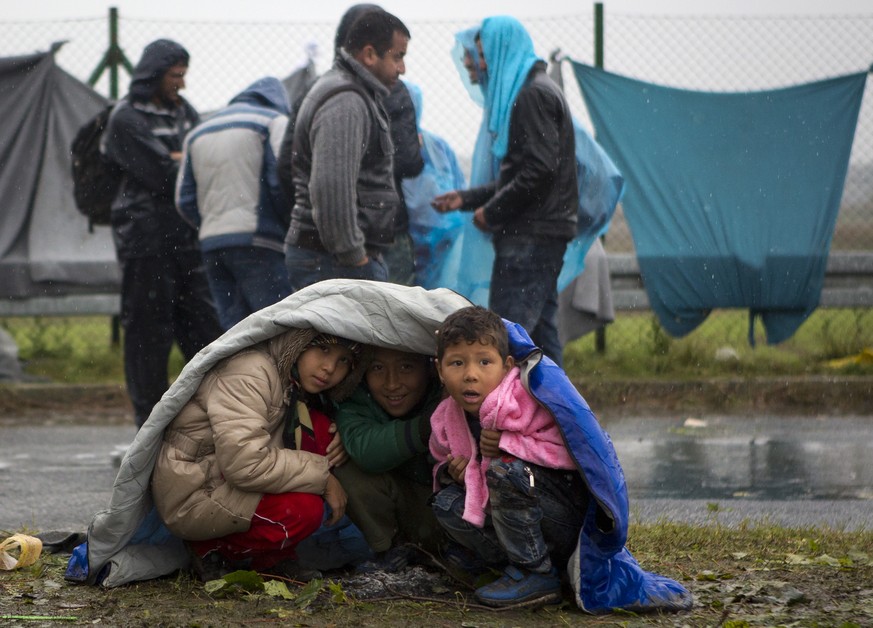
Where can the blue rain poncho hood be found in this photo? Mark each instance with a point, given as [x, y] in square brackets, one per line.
[465, 44]
[509, 56]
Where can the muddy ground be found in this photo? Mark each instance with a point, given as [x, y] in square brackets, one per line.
[743, 580]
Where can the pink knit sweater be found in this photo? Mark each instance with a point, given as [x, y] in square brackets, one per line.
[529, 432]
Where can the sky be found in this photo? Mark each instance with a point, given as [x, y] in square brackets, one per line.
[305, 10]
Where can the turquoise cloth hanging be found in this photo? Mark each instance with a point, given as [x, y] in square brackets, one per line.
[731, 198]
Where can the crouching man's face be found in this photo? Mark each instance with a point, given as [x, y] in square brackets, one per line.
[398, 381]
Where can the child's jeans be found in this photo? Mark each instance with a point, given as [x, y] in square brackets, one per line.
[532, 524]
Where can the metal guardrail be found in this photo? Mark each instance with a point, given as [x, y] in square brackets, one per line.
[848, 284]
[68, 305]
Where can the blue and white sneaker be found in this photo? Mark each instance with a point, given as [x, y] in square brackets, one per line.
[518, 586]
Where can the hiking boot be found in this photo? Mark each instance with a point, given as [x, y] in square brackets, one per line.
[518, 586]
[389, 561]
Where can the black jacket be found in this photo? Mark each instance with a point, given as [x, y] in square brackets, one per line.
[536, 192]
[139, 138]
[408, 161]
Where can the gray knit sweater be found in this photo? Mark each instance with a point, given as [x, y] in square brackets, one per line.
[339, 135]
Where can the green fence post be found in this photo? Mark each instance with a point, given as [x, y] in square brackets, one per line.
[600, 332]
[112, 58]
[113, 47]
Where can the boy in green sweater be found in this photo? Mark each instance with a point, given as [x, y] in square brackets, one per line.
[385, 428]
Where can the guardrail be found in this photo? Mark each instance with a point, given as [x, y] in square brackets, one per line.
[848, 284]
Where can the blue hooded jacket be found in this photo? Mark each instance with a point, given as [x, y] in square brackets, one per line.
[603, 573]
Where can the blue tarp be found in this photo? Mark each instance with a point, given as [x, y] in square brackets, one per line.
[731, 197]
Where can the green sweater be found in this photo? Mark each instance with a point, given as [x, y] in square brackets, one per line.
[380, 443]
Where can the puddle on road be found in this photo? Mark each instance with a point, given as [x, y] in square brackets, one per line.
[747, 468]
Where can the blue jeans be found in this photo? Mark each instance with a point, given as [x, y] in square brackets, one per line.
[524, 287]
[245, 279]
[306, 267]
[531, 527]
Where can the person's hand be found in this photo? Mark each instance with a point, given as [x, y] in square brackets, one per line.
[457, 466]
[336, 452]
[479, 220]
[489, 443]
[363, 262]
[448, 202]
[336, 498]
[176, 155]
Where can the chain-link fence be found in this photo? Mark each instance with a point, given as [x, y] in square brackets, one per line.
[725, 53]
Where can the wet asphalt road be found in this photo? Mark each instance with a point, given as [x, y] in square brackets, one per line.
[798, 471]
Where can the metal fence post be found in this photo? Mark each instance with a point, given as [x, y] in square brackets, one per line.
[112, 58]
[600, 332]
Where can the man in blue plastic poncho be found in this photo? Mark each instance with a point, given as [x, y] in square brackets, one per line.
[531, 208]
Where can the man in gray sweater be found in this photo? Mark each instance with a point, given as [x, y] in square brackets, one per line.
[344, 190]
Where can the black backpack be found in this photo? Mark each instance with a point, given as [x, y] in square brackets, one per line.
[95, 178]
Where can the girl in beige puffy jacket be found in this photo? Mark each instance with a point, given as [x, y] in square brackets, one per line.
[244, 471]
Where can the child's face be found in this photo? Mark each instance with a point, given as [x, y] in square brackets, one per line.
[471, 370]
[397, 380]
[323, 367]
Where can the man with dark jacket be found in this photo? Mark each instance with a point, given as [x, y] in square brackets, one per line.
[164, 293]
[344, 191]
[531, 208]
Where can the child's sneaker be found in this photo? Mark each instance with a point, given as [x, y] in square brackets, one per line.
[518, 586]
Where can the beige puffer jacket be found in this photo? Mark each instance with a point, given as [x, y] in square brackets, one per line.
[224, 449]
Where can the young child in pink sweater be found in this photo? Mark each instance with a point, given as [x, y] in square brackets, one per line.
[506, 487]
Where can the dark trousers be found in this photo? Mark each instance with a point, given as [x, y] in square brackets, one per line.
[524, 287]
[163, 298]
[533, 523]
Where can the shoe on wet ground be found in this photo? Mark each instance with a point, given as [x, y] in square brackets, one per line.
[519, 586]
